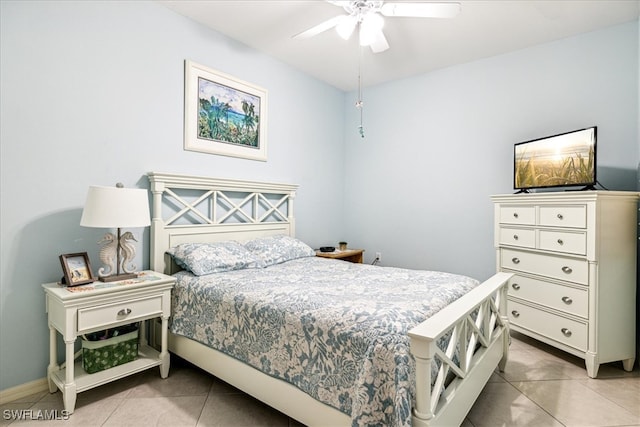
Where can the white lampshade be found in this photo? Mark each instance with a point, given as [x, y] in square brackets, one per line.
[116, 207]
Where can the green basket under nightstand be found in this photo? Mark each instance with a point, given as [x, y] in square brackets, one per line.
[103, 354]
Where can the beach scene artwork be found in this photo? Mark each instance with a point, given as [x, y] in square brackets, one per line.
[228, 115]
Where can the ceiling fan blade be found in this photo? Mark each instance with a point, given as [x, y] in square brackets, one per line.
[320, 28]
[379, 43]
[421, 10]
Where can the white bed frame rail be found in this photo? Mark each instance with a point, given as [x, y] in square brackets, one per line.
[478, 342]
[220, 209]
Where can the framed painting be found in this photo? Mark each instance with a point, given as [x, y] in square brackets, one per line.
[76, 269]
[224, 115]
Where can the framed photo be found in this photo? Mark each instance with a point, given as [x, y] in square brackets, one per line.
[224, 115]
[77, 269]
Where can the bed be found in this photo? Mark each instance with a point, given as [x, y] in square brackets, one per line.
[440, 365]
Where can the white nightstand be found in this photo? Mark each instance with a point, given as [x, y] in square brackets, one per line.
[83, 309]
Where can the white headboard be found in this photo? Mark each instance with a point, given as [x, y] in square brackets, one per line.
[199, 209]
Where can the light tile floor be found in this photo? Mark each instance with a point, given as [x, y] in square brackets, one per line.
[541, 386]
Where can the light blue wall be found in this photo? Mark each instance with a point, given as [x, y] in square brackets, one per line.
[92, 94]
[438, 145]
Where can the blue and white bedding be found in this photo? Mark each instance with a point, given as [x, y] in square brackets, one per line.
[336, 330]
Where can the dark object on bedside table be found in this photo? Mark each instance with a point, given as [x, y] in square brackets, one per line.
[327, 249]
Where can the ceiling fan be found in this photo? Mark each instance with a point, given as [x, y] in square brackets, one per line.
[367, 15]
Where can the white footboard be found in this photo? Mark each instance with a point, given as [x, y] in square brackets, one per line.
[478, 343]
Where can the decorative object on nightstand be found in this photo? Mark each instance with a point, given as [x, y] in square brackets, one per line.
[342, 246]
[116, 207]
[76, 269]
[351, 255]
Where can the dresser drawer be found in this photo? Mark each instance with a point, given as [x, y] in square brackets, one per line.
[563, 216]
[525, 238]
[557, 267]
[515, 214]
[556, 327]
[559, 297]
[102, 316]
[564, 241]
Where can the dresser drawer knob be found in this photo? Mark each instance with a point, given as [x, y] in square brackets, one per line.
[515, 313]
[516, 286]
[515, 237]
[515, 260]
[567, 270]
[560, 242]
[560, 216]
[567, 300]
[566, 332]
[124, 312]
[515, 214]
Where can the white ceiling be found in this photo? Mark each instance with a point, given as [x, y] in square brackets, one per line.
[418, 45]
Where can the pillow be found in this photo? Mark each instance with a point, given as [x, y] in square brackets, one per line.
[207, 258]
[278, 249]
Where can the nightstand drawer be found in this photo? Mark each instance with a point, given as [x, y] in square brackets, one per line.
[568, 299]
[103, 316]
[525, 238]
[561, 241]
[518, 215]
[558, 328]
[557, 267]
[564, 216]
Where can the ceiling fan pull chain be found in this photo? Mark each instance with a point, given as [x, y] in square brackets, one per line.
[359, 102]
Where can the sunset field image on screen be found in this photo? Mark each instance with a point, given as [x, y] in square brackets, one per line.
[562, 160]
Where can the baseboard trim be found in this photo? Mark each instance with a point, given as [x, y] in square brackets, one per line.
[23, 390]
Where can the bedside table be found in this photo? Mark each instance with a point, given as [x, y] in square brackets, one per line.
[351, 255]
[73, 311]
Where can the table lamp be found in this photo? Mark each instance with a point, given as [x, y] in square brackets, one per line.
[116, 207]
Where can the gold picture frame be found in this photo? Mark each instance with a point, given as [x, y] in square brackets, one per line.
[76, 268]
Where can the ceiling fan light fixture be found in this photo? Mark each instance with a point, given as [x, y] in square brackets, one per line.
[346, 26]
[370, 28]
[373, 21]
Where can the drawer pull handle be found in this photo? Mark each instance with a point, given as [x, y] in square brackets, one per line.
[566, 332]
[515, 214]
[560, 242]
[567, 270]
[567, 300]
[516, 286]
[515, 260]
[124, 312]
[515, 237]
[560, 216]
[515, 313]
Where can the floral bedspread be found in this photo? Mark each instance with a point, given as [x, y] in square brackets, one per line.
[336, 330]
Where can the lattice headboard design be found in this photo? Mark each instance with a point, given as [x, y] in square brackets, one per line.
[199, 209]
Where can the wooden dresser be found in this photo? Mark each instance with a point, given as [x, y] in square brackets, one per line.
[574, 259]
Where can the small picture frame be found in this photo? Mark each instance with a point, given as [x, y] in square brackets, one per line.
[77, 269]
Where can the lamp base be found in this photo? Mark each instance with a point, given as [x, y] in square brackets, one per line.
[117, 277]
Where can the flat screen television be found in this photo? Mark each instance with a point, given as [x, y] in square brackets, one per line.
[564, 160]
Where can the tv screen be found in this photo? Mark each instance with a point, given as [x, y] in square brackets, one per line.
[564, 160]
